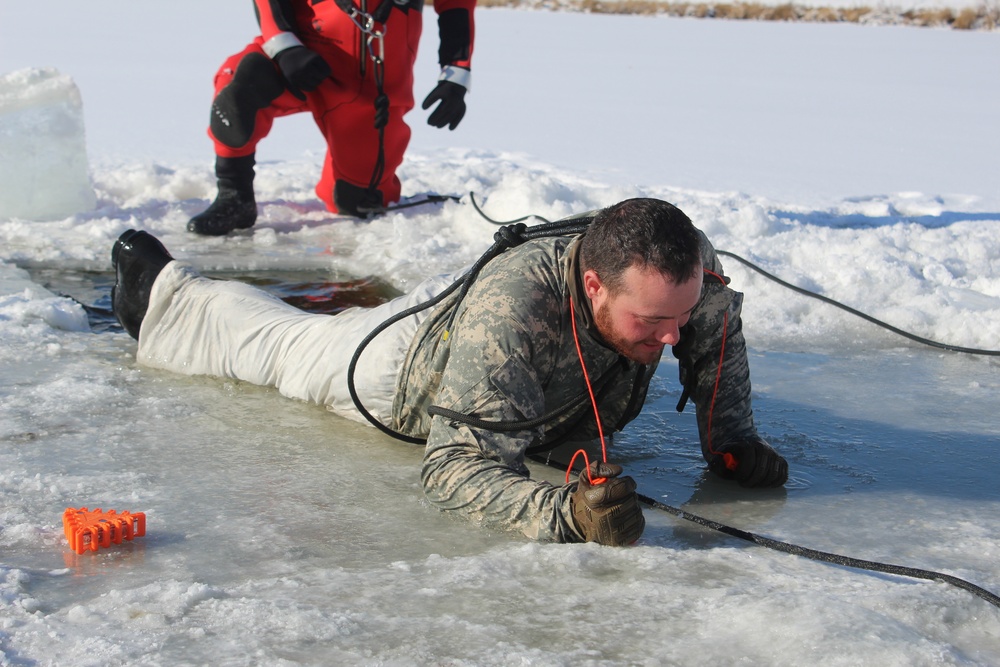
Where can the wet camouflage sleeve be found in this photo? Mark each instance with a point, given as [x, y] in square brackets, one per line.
[504, 340]
[698, 355]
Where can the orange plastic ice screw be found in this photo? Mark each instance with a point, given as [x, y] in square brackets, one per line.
[93, 530]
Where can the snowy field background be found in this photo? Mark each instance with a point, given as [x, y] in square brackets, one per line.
[861, 162]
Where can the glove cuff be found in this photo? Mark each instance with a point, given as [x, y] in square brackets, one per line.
[280, 42]
[455, 74]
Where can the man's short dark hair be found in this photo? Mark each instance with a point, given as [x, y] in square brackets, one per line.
[648, 233]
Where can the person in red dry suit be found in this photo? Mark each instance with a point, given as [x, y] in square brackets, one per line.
[351, 66]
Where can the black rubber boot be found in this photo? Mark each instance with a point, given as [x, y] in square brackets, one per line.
[357, 201]
[234, 207]
[137, 257]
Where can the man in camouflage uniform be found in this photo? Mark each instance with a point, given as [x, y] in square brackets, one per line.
[490, 375]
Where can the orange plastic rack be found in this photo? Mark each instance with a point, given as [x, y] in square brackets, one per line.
[93, 530]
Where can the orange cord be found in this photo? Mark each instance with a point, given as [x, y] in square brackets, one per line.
[593, 402]
[728, 459]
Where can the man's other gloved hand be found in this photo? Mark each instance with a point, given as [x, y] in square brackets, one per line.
[452, 107]
[303, 68]
[750, 461]
[607, 513]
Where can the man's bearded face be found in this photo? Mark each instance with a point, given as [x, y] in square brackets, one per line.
[646, 314]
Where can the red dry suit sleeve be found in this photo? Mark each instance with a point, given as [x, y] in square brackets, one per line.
[457, 28]
[274, 17]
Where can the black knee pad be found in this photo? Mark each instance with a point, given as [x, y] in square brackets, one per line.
[256, 83]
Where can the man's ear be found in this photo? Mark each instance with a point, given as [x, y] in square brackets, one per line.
[592, 284]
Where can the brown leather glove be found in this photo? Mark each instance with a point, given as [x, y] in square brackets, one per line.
[607, 513]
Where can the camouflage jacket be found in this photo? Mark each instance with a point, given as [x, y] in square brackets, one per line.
[506, 354]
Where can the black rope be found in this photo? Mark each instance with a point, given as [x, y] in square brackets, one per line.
[500, 426]
[506, 237]
[472, 198]
[514, 234]
[352, 367]
[381, 118]
[428, 199]
[824, 556]
[803, 291]
[884, 325]
[812, 554]
[526, 424]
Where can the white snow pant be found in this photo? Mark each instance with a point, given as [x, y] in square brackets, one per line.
[199, 326]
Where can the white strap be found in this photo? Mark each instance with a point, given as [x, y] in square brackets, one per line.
[459, 75]
[280, 42]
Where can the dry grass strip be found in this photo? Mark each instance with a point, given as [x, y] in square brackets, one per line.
[983, 17]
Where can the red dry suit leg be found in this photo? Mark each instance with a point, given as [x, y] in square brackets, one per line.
[343, 106]
[346, 111]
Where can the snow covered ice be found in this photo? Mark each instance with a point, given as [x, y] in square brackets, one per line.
[859, 162]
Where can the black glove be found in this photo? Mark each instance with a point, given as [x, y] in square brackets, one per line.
[452, 107]
[607, 513]
[304, 69]
[750, 461]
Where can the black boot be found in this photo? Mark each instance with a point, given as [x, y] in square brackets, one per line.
[234, 207]
[357, 201]
[138, 258]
